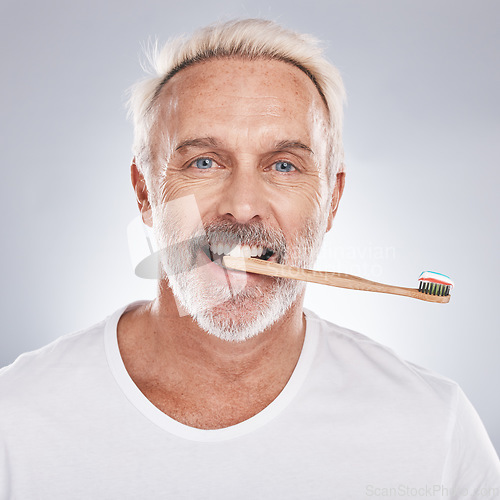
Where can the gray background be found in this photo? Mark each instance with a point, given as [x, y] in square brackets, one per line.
[422, 148]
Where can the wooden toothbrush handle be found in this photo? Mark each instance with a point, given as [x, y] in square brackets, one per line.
[326, 278]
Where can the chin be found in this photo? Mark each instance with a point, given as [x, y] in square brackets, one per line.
[249, 314]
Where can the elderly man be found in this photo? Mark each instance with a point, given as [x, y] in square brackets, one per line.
[223, 386]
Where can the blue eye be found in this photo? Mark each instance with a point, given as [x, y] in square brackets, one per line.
[284, 166]
[203, 163]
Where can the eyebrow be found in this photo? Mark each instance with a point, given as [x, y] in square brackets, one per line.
[212, 142]
[198, 143]
[293, 145]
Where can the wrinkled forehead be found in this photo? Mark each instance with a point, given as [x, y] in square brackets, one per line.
[258, 92]
[245, 61]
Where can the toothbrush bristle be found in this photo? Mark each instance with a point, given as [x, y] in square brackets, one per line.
[434, 288]
[433, 283]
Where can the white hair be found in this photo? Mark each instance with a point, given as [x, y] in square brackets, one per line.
[250, 39]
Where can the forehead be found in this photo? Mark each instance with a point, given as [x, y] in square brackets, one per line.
[243, 93]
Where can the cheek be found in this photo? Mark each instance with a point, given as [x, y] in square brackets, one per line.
[170, 187]
[297, 208]
[178, 220]
[306, 196]
[177, 209]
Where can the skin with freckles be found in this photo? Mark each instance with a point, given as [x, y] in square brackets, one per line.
[247, 138]
[265, 103]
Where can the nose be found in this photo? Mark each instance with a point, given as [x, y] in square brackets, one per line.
[244, 196]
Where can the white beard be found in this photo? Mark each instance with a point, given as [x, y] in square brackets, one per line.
[219, 309]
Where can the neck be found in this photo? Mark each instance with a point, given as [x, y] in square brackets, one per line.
[270, 351]
[169, 349]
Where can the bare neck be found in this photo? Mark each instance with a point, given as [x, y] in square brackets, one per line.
[174, 355]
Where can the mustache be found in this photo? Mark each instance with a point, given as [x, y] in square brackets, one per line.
[254, 234]
[232, 233]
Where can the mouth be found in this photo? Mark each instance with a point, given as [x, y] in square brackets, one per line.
[215, 251]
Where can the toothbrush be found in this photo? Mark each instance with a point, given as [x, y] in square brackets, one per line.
[434, 287]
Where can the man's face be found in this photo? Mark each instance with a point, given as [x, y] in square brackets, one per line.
[248, 140]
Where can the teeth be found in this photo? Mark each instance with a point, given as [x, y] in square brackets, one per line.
[245, 251]
[236, 251]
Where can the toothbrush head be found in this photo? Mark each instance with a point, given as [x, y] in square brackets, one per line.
[433, 283]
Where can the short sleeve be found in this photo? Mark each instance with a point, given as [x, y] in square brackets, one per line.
[472, 468]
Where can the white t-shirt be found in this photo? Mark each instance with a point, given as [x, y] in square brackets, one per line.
[354, 421]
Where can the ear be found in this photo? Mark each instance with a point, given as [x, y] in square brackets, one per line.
[141, 193]
[336, 195]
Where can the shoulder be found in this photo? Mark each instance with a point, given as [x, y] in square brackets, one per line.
[378, 367]
[33, 371]
[406, 404]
